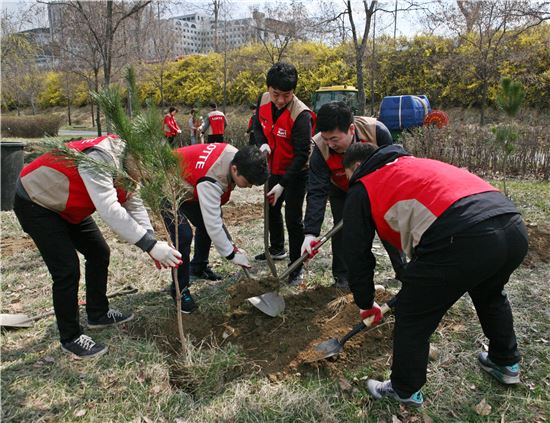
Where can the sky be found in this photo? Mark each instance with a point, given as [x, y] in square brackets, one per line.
[407, 24]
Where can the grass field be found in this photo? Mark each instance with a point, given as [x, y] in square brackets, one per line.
[242, 366]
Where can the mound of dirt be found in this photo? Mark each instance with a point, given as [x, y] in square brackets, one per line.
[539, 244]
[286, 345]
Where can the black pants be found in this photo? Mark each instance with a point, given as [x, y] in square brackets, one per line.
[293, 197]
[214, 138]
[189, 211]
[479, 261]
[337, 198]
[58, 241]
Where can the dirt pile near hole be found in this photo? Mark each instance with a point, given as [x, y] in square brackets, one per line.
[285, 345]
[539, 244]
[242, 213]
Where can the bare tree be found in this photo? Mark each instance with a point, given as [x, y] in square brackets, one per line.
[485, 26]
[21, 76]
[279, 25]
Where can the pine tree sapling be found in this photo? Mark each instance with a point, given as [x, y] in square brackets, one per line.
[509, 99]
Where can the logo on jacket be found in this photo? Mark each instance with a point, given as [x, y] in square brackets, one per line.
[281, 132]
[204, 156]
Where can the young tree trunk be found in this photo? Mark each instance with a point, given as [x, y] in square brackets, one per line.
[69, 111]
[92, 109]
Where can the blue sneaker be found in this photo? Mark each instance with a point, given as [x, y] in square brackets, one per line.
[384, 389]
[507, 375]
[188, 304]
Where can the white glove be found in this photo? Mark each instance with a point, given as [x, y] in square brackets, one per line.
[179, 131]
[240, 258]
[264, 148]
[275, 193]
[165, 255]
[306, 245]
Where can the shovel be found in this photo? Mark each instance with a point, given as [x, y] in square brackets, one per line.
[24, 321]
[334, 346]
[270, 303]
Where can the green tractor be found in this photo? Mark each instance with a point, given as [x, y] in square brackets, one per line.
[346, 93]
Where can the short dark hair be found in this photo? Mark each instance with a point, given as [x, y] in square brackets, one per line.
[334, 115]
[358, 152]
[172, 109]
[252, 106]
[252, 164]
[213, 105]
[282, 76]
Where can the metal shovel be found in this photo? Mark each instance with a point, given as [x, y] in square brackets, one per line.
[334, 346]
[24, 321]
[270, 303]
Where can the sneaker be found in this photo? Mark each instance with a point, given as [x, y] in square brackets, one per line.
[205, 273]
[111, 318]
[275, 255]
[188, 304]
[296, 278]
[341, 282]
[507, 375]
[384, 389]
[83, 347]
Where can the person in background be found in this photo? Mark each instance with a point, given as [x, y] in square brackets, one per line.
[462, 236]
[250, 129]
[171, 127]
[194, 124]
[212, 172]
[54, 203]
[283, 128]
[214, 125]
[338, 130]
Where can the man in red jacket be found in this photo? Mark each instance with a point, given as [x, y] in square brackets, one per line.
[462, 236]
[171, 127]
[54, 203]
[212, 172]
[283, 128]
[214, 124]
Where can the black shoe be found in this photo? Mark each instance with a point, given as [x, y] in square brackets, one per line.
[83, 347]
[296, 278]
[188, 304]
[275, 255]
[341, 282]
[205, 273]
[111, 318]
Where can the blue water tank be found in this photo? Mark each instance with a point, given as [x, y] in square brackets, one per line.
[399, 112]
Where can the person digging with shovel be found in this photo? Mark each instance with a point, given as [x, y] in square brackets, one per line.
[54, 201]
[212, 172]
[461, 234]
[283, 128]
[338, 129]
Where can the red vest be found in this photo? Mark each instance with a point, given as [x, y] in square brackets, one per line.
[335, 163]
[217, 123]
[196, 160]
[79, 204]
[170, 126]
[278, 133]
[409, 194]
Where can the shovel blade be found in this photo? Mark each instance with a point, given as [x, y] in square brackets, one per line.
[270, 303]
[329, 348]
[15, 321]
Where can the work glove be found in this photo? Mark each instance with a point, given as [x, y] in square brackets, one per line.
[310, 246]
[165, 255]
[240, 258]
[275, 193]
[179, 131]
[375, 311]
[264, 148]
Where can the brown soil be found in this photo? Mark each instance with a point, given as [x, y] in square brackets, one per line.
[539, 244]
[286, 345]
[242, 213]
[13, 246]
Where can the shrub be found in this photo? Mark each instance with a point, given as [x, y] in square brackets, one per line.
[35, 126]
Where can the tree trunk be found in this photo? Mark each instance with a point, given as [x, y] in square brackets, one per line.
[69, 111]
[483, 106]
[360, 83]
[92, 108]
[98, 112]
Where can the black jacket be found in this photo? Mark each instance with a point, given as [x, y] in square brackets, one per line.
[359, 227]
[319, 186]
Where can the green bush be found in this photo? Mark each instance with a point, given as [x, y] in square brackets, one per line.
[31, 126]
